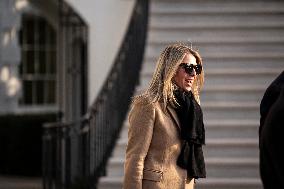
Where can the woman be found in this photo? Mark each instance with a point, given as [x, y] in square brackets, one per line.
[166, 131]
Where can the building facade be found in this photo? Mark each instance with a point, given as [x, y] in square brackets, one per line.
[54, 57]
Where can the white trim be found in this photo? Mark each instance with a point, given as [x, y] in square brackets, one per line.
[34, 109]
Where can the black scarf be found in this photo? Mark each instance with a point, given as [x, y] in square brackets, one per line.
[192, 133]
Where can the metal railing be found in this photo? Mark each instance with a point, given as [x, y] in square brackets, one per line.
[75, 153]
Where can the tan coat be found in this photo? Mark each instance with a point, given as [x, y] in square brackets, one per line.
[153, 147]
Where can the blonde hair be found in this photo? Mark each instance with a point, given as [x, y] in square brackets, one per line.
[161, 86]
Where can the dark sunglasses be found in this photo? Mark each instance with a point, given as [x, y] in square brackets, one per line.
[188, 68]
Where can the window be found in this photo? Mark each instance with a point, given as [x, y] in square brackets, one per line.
[38, 63]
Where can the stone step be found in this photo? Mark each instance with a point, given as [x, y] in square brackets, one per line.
[110, 182]
[227, 20]
[227, 50]
[228, 183]
[216, 167]
[231, 148]
[207, 183]
[149, 69]
[214, 78]
[269, 63]
[215, 147]
[161, 37]
[217, 39]
[219, 129]
[230, 110]
[212, 25]
[229, 93]
[212, 7]
[231, 55]
[230, 50]
[232, 167]
[264, 61]
[234, 129]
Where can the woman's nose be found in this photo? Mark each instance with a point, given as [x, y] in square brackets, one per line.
[192, 73]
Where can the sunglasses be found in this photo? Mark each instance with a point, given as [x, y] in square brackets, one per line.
[188, 68]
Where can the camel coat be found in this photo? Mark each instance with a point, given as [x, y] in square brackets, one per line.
[154, 145]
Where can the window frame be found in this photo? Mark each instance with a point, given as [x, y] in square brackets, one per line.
[49, 73]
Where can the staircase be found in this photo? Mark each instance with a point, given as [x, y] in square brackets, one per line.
[242, 45]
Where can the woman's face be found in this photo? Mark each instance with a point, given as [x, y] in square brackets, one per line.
[182, 79]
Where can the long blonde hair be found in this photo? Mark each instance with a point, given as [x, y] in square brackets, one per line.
[161, 86]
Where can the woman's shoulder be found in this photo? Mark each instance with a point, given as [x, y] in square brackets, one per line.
[142, 102]
[142, 109]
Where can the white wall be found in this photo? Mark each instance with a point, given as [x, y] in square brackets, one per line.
[107, 21]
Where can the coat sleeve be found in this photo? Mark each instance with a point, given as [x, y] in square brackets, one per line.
[141, 123]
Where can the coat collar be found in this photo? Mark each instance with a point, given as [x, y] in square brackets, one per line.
[174, 116]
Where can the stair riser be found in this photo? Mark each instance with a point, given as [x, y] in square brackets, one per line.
[232, 64]
[232, 96]
[220, 6]
[222, 131]
[124, 134]
[207, 19]
[115, 169]
[231, 56]
[213, 170]
[228, 113]
[216, 150]
[227, 79]
[228, 63]
[159, 38]
[231, 151]
[231, 171]
[119, 151]
[198, 185]
[110, 185]
[226, 49]
[227, 186]
[250, 96]
[231, 132]
[212, 150]
[239, 79]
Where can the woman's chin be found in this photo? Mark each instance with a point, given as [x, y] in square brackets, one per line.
[187, 89]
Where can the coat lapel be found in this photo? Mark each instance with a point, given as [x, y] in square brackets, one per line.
[174, 116]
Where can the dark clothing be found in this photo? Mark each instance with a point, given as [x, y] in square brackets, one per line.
[271, 132]
[192, 133]
[270, 96]
[272, 146]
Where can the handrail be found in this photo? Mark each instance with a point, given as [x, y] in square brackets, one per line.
[75, 153]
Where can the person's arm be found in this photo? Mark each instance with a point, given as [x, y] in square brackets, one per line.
[269, 97]
[141, 120]
[272, 140]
